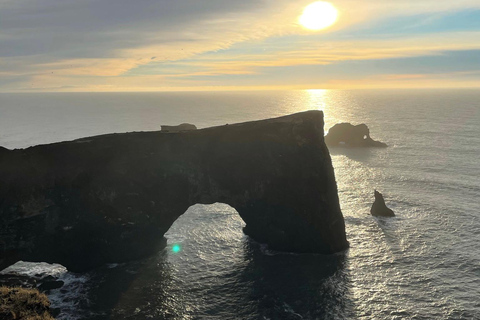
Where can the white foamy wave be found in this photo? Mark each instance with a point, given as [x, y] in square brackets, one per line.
[35, 269]
[71, 297]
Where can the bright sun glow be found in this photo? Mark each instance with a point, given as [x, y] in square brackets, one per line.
[318, 15]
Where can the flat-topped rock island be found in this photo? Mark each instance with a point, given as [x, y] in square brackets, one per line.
[111, 198]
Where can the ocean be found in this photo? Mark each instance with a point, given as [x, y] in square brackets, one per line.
[422, 264]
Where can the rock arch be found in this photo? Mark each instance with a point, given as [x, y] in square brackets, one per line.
[112, 198]
[346, 134]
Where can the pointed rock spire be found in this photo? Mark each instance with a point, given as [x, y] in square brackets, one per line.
[379, 208]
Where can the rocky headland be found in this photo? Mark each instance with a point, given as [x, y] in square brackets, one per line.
[111, 198]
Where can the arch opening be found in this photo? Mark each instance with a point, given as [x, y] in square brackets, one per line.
[206, 228]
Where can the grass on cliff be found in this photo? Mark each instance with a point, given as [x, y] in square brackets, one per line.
[27, 304]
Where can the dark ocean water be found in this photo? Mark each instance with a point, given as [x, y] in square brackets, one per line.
[422, 264]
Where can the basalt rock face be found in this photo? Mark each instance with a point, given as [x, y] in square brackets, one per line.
[379, 208]
[346, 134]
[111, 198]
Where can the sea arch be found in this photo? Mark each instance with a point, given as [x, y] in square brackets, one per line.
[111, 198]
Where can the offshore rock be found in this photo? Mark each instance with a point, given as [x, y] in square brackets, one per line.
[111, 198]
[348, 135]
[379, 208]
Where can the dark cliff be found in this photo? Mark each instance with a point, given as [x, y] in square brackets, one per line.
[112, 198]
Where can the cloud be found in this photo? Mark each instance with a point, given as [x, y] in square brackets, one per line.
[250, 61]
[43, 41]
[99, 29]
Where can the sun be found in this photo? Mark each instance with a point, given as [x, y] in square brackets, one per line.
[318, 15]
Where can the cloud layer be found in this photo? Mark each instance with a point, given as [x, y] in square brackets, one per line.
[108, 45]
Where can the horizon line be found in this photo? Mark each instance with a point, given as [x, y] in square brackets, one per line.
[240, 89]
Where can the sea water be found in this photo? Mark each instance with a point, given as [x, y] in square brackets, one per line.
[422, 264]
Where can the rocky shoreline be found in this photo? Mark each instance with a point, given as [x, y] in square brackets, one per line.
[17, 286]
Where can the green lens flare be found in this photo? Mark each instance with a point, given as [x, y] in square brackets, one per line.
[176, 248]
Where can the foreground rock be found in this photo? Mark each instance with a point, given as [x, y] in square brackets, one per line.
[17, 280]
[20, 303]
[379, 208]
[9, 278]
[348, 135]
[111, 198]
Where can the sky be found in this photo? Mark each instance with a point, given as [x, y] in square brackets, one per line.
[172, 45]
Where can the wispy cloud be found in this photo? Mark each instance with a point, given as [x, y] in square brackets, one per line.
[111, 44]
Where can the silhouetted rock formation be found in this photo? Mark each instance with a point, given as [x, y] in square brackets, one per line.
[111, 198]
[346, 134]
[180, 127]
[379, 208]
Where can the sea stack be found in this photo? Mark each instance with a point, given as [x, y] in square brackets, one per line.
[111, 198]
[379, 208]
[348, 135]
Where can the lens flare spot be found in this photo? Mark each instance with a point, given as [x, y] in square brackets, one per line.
[176, 248]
